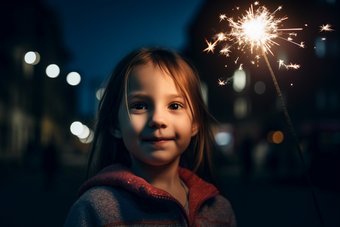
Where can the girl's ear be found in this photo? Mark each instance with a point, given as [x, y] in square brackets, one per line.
[194, 129]
[115, 132]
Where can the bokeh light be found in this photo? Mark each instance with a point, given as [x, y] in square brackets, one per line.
[320, 47]
[85, 132]
[275, 137]
[76, 128]
[239, 80]
[87, 139]
[278, 137]
[259, 87]
[32, 58]
[73, 78]
[240, 108]
[52, 71]
[223, 138]
[99, 93]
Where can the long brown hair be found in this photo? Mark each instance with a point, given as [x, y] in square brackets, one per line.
[106, 149]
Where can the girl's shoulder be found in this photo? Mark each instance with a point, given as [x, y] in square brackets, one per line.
[93, 206]
[217, 202]
[217, 210]
[99, 196]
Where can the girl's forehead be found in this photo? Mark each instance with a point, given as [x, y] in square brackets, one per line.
[151, 77]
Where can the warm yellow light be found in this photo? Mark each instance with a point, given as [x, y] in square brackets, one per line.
[52, 71]
[278, 137]
[73, 78]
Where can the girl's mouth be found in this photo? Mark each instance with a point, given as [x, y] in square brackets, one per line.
[157, 141]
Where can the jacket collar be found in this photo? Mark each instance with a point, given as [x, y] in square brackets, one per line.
[119, 175]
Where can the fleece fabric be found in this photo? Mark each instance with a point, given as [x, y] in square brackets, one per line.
[117, 197]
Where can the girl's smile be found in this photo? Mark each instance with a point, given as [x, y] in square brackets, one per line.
[156, 125]
[157, 142]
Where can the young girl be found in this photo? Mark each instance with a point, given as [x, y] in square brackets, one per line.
[151, 128]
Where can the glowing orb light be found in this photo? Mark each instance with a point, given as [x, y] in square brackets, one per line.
[73, 78]
[76, 128]
[52, 71]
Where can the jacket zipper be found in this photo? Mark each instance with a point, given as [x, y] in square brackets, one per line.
[193, 223]
[176, 201]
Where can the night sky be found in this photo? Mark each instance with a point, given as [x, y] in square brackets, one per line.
[98, 34]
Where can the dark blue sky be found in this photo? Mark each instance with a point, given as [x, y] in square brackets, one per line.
[99, 33]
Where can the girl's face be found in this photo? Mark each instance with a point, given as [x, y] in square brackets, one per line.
[160, 126]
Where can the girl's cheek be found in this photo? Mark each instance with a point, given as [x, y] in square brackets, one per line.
[138, 123]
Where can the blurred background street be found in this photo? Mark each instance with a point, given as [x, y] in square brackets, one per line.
[56, 55]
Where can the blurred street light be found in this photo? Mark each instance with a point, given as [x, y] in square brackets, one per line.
[73, 78]
[32, 58]
[76, 128]
[52, 71]
[85, 133]
[223, 138]
[239, 80]
[87, 139]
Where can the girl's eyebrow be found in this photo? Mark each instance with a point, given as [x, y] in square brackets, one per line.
[137, 95]
[141, 95]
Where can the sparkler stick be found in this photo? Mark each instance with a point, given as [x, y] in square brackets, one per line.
[292, 131]
[257, 29]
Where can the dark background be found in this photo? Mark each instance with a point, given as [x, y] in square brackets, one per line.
[42, 164]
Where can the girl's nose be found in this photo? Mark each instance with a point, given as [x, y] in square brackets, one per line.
[157, 120]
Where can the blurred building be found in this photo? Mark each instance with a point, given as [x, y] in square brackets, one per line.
[35, 110]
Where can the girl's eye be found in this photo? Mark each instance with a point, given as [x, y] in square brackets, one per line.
[175, 106]
[138, 106]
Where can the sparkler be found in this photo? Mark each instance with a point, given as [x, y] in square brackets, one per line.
[256, 31]
[326, 28]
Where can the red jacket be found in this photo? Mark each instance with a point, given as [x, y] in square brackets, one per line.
[117, 197]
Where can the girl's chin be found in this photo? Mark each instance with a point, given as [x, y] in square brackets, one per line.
[158, 160]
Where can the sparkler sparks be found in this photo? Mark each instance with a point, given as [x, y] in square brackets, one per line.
[222, 17]
[222, 82]
[257, 28]
[211, 46]
[221, 37]
[326, 28]
[281, 63]
[290, 66]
